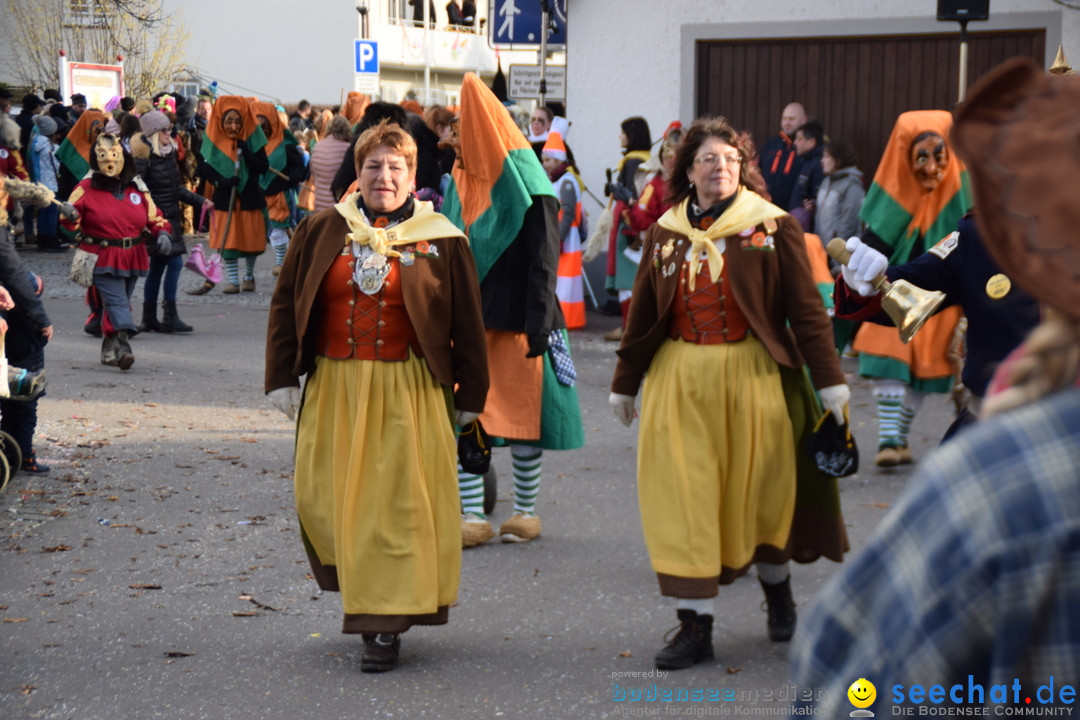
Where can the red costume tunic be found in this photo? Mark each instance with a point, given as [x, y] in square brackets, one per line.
[650, 206]
[109, 222]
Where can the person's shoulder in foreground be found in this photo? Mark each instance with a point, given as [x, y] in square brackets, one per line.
[973, 577]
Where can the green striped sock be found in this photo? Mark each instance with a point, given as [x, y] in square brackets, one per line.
[471, 488]
[232, 271]
[526, 462]
[279, 253]
[890, 411]
[906, 416]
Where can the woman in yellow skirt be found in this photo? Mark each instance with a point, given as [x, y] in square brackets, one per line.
[724, 314]
[378, 305]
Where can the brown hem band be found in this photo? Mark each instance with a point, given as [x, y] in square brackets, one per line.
[367, 623]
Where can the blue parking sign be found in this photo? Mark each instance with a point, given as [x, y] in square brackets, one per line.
[366, 56]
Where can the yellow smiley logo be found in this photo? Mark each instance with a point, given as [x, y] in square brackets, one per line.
[862, 693]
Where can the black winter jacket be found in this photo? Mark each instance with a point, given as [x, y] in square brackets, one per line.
[162, 178]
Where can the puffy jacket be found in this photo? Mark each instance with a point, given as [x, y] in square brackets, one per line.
[162, 177]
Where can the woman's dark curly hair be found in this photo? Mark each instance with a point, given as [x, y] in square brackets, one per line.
[701, 130]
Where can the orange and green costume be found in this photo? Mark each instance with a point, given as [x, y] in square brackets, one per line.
[909, 221]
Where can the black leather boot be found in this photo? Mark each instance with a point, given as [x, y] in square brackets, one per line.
[692, 644]
[170, 321]
[781, 608]
[109, 348]
[149, 319]
[124, 357]
[93, 322]
[380, 652]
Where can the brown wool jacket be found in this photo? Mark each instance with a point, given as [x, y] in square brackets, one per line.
[774, 289]
[442, 297]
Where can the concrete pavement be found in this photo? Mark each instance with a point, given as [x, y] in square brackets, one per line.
[157, 571]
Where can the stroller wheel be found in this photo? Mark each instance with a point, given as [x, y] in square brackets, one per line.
[491, 489]
[11, 451]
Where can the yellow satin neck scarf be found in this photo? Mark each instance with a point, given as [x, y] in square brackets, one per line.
[748, 209]
[425, 224]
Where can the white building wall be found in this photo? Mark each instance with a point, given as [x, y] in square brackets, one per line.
[636, 57]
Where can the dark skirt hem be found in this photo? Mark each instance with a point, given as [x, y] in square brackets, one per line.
[326, 577]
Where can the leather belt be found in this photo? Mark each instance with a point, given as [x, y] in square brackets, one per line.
[124, 243]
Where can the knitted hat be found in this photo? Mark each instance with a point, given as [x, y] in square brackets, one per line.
[127, 104]
[46, 125]
[1017, 131]
[153, 122]
[555, 147]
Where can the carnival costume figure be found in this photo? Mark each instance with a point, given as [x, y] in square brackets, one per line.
[114, 214]
[501, 197]
[378, 305]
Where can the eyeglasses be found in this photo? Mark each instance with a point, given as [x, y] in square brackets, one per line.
[711, 160]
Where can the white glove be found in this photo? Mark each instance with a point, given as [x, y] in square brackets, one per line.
[164, 243]
[865, 264]
[623, 407]
[835, 398]
[464, 417]
[286, 399]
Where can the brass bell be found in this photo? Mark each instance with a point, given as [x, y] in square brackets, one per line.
[909, 306]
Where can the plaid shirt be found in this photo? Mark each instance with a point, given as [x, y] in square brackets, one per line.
[976, 571]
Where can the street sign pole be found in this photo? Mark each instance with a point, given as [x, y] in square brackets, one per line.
[543, 49]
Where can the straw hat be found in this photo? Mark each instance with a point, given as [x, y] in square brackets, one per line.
[1017, 132]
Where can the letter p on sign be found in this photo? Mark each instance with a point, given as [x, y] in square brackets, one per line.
[366, 56]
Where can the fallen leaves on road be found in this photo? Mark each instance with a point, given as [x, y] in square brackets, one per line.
[15, 620]
[56, 548]
[625, 654]
[144, 586]
[177, 654]
[878, 505]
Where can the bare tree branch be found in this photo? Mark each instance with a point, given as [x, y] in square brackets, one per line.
[96, 31]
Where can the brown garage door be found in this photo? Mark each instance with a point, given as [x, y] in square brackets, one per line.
[856, 86]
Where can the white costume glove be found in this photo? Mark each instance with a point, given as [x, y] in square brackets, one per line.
[286, 399]
[835, 398]
[623, 407]
[865, 264]
[464, 417]
[164, 243]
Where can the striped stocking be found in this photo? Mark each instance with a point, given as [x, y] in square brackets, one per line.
[232, 270]
[471, 488]
[526, 461]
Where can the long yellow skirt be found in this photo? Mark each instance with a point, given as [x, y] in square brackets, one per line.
[376, 491]
[716, 461]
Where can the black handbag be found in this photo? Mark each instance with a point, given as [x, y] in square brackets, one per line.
[474, 448]
[832, 447]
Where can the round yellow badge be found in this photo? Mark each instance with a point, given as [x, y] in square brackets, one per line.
[862, 693]
[998, 286]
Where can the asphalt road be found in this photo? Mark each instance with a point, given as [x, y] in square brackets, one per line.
[157, 571]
